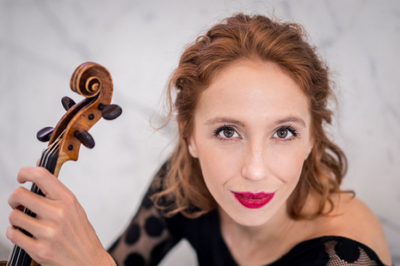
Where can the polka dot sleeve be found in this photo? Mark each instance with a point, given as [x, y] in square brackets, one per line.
[147, 238]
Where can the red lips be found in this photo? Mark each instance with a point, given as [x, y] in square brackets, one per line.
[253, 200]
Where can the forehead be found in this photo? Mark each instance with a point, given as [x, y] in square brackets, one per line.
[251, 90]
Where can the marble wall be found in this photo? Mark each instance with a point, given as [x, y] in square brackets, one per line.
[42, 42]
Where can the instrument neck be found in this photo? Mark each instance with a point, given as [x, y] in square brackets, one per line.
[19, 257]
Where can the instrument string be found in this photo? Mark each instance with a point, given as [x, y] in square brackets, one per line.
[19, 251]
[45, 162]
[94, 82]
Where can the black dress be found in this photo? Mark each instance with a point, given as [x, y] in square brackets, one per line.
[150, 236]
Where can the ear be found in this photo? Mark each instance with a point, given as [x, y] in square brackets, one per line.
[191, 145]
[192, 148]
[310, 147]
[181, 125]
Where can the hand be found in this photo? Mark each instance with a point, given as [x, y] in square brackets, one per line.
[62, 234]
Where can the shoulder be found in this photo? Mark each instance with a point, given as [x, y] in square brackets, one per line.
[330, 250]
[353, 219]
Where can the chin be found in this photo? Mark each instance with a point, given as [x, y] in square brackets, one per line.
[249, 217]
[251, 222]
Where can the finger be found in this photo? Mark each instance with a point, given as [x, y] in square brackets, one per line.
[20, 239]
[29, 224]
[48, 183]
[35, 203]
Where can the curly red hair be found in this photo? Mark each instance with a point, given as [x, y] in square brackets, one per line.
[254, 38]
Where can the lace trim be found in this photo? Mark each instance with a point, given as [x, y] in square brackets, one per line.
[336, 260]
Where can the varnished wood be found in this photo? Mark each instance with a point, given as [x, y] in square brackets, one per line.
[94, 82]
[80, 83]
[77, 118]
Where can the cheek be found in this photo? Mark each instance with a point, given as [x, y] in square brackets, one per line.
[222, 164]
[286, 163]
[218, 165]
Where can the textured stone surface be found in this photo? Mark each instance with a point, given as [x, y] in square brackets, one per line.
[41, 43]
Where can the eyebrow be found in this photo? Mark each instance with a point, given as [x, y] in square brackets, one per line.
[223, 120]
[234, 121]
[292, 119]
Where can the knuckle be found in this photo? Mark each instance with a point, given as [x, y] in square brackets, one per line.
[13, 217]
[18, 191]
[40, 173]
[49, 233]
[70, 200]
[16, 194]
[41, 253]
[22, 171]
[11, 235]
[60, 214]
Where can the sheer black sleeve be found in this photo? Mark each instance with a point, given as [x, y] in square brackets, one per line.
[147, 238]
[150, 236]
[330, 251]
[341, 251]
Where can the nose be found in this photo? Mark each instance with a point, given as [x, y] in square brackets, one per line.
[255, 167]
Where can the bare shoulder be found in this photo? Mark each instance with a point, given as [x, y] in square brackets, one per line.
[353, 219]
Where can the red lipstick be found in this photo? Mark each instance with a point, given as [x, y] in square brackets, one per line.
[253, 200]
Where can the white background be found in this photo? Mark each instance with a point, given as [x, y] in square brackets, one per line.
[42, 42]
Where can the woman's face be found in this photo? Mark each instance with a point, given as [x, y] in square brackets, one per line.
[251, 136]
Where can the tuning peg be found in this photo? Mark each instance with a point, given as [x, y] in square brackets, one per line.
[67, 103]
[110, 112]
[44, 134]
[84, 137]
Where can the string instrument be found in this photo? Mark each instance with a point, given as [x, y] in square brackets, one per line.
[94, 82]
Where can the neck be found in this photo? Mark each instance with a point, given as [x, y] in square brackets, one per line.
[271, 233]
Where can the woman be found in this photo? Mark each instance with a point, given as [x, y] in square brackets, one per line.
[253, 180]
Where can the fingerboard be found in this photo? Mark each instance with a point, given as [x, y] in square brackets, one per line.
[48, 160]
